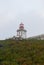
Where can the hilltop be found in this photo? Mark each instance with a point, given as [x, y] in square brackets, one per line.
[38, 37]
[22, 52]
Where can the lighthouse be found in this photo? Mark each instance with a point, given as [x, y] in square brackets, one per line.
[21, 32]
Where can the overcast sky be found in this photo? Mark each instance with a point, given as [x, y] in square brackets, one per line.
[13, 12]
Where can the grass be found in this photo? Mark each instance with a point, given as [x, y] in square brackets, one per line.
[25, 52]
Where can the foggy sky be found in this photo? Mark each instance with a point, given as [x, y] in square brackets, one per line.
[13, 12]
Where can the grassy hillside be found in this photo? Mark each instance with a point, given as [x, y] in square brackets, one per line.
[25, 52]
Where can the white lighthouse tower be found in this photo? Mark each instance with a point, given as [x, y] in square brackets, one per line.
[21, 32]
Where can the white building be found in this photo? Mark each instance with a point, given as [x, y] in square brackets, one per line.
[21, 32]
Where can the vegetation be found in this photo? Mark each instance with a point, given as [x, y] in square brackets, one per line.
[25, 52]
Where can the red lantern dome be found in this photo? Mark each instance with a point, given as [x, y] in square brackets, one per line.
[21, 26]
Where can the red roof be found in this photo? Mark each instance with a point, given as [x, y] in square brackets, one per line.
[21, 26]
